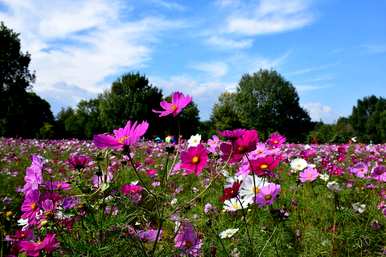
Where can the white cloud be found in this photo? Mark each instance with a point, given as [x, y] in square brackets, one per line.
[213, 69]
[375, 48]
[169, 5]
[269, 16]
[228, 43]
[82, 42]
[319, 112]
[301, 88]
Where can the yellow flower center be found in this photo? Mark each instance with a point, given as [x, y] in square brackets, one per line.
[275, 142]
[8, 213]
[257, 190]
[121, 140]
[268, 197]
[195, 159]
[235, 205]
[263, 166]
[173, 107]
[33, 206]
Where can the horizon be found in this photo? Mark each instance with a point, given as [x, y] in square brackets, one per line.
[333, 53]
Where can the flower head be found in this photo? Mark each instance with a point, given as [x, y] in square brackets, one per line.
[243, 141]
[194, 140]
[179, 102]
[267, 194]
[188, 240]
[128, 135]
[264, 166]
[78, 161]
[194, 159]
[276, 140]
[309, 174]
[298, 164]
[228, 233]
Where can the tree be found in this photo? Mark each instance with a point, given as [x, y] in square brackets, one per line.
[368, 119]
[22, 113]
[131, 98]
[268, 102]
[224, 114]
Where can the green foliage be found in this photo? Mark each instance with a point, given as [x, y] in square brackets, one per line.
[22, 113]
[268, 102]
[224, 115]
[368, 119]
[131, 98]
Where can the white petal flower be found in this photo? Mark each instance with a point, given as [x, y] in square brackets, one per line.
[228, 233]
[325, 177]
[233, 204]
[248, 189]
[298, 164]
[359, 207]
[194, 140]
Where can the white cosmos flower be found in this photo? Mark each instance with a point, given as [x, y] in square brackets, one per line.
[194, 140]
[334, 186]
[359, 207]
[298, 164]
[248, 189]
[228, 233]
[233, 204]
[325, 177]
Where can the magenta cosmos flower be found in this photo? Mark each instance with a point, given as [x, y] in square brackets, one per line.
[309, 174]
[267, 194]
[276, 140]
[129, 135]
[78, 161]
[194, 159]
[30, 206]
[34, 175]
[243, 141]
[49, 244]
[179, 102]
[187, 239]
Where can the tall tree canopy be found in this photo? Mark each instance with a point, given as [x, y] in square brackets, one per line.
[131, 97]
[368, 119]
[224, 115]
[22, 113]
[268, 102]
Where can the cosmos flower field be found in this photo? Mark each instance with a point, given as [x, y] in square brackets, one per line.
[233, 195]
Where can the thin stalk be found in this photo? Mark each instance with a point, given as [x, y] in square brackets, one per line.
[269, 239]
[246, 224]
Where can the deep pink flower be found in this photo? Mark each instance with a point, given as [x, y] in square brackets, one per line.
[49, 244]
[129, 135]
[30, 206]
[179, 102]
[188, 240]
[276, 140]
[131, 189]
[264, 166]
[78, 161]
[58, 185]
[267, 194]
[194, 159]
[243, 141]
[309, 174]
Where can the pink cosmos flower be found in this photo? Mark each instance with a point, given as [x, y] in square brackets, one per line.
[79, 162]
[267, 194]
[30, 206]
[243, 141]
[309, 174]
[360, 169]
[179, 102]
[276, 140]
[133, 192]
[194, 159]
[264, 166]
[49, 244]
[34, 175]
[213, 144]
[149, 235]
[129, 135]
[58, 185]
[187, 240]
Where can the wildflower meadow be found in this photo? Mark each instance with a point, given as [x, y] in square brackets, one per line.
[123, 194]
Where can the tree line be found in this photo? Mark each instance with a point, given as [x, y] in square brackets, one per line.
[264, 100]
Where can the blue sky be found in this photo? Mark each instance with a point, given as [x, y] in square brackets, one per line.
[334, 52]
